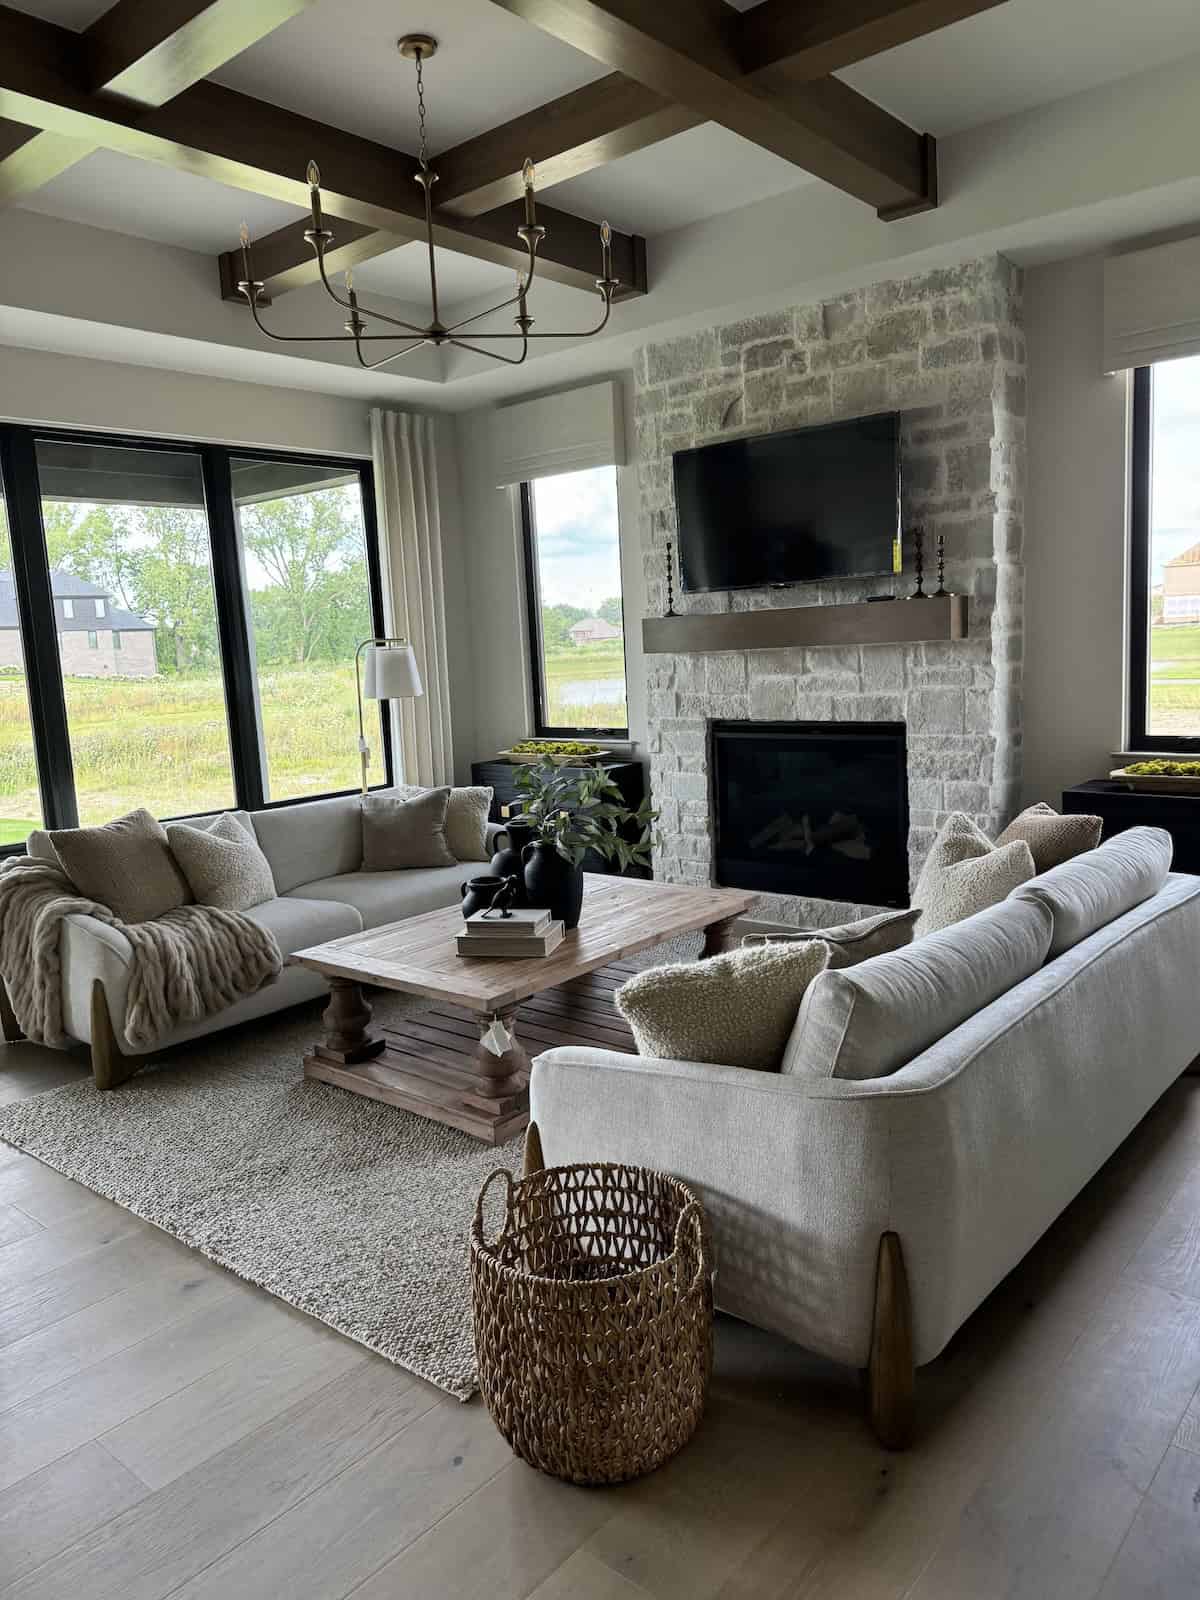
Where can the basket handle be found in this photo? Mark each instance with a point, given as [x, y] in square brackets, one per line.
[500, 1172]
[690, 1230]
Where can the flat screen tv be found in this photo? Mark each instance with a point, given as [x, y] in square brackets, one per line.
[790, 507]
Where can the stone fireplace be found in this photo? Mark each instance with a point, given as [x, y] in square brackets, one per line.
[946, 350]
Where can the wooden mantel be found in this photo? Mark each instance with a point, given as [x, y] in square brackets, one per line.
[870, 622]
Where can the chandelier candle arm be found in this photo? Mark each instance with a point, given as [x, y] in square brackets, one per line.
[419, 48]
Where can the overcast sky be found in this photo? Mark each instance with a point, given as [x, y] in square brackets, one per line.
[577, 537]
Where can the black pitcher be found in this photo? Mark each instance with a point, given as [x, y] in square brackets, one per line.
[553, 882]
[507, 862]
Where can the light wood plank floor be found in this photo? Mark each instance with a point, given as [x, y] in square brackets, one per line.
[166, 1430]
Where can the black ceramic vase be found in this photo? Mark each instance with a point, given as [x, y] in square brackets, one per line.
[507, 863]
[552, 882]
[478, 894]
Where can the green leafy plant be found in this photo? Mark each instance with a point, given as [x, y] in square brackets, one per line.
[581, 811]
[1164, 769]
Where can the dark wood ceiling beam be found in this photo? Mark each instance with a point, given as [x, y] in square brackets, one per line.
[148, 51]
[823, 36]
[142, 51]
[574, 134]
[249, 144]
[689, 55]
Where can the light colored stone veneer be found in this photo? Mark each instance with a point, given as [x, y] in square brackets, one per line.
[944, 348]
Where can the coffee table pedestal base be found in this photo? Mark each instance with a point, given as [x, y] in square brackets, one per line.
[433, 1067]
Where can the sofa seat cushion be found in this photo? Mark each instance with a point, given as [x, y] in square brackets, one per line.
[313, 840]
[381, 897]
[1093, 889]
[872, 1019]
[298, 923]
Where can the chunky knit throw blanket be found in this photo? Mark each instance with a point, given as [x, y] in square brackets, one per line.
[187, 964]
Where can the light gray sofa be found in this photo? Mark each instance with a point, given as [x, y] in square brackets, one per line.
[315, 850]
[867, 1219]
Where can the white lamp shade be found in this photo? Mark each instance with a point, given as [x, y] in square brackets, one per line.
[391, 673]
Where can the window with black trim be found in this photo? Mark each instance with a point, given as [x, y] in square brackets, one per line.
[182, 621]
[1164, 588]
[573, 593]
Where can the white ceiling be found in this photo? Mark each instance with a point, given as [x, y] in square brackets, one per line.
[108, 190]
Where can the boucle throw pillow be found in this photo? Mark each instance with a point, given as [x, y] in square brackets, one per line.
[1052, 836]
[851, 942]
[467, 814]
[734, 1010]
[127, 865]
[399, 834]
[965, 873]
[222, 863]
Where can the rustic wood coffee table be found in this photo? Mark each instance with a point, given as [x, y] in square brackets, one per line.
[463, 1062]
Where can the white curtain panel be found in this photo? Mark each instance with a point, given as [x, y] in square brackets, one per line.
[404, 448]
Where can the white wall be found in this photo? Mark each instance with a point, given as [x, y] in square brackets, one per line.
[502, 696]
[38, 386]
[1075, 540]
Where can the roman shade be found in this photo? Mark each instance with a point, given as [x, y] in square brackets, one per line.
[1152, 305]
[559, 433]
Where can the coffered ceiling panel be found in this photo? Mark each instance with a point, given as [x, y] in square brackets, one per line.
[338, 62]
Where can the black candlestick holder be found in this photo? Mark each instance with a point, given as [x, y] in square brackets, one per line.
[941, 591]
[670, 611]
[918, 536]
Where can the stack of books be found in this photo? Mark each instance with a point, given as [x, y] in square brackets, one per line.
[526, 931]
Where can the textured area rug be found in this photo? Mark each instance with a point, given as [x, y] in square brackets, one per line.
[355, 1212]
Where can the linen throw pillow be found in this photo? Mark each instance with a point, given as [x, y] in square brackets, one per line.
[400, 834]
[874, 1019]
[222, 863]
[851, 942]
[466, 818]
[733, 1010]
[965, 873]
[126, 865]
[1052, 836]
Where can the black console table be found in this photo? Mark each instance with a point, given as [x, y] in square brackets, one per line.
[1123, 808]
[500, 776]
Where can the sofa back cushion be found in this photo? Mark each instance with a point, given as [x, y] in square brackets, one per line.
[1092, 890]
[870, 1020]
[317, 839]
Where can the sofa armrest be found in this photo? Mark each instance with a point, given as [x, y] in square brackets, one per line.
[90, 949]
[795, 1186]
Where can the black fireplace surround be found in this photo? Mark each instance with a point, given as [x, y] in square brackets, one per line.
[818, 809]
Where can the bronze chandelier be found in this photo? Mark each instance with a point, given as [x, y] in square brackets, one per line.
[418, 48]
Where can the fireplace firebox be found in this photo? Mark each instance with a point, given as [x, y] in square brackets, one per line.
[818, 809]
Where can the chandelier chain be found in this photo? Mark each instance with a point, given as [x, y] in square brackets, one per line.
[423, 155]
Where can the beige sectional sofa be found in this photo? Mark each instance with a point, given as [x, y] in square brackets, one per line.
[315, 851]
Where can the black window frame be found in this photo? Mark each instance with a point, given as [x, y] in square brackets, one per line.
[1138, 738]
[542, 729]
[20, 486]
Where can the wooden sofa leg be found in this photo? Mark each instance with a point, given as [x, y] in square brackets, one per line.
[109, 1066]
[891, 1377]
[9, 1025]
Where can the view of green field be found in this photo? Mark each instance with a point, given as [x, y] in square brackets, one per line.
[1175, 680]
[162, 743]
[585, 686]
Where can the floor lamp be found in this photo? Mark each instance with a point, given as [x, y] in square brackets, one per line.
[391, 675]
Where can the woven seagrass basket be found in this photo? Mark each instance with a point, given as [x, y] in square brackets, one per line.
[593, 1318]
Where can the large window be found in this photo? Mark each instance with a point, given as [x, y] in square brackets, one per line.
[20, 800]
[304, 547]
[1165, 577]
[190, 616]
[576, 625]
